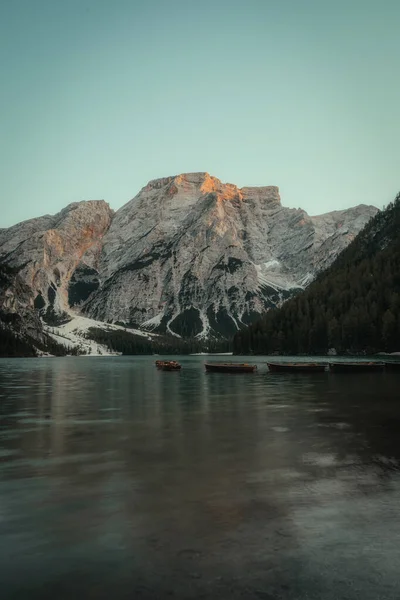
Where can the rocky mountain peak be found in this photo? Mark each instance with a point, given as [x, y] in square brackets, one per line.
[80, 210]
[268, 195]
[202, 183]
[189, 255]
[185, 183]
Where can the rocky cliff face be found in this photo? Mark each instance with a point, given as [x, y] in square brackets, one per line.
[16, 305]
[188, 255]
[51, 250]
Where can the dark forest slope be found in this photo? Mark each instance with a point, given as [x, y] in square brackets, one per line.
[354, 306]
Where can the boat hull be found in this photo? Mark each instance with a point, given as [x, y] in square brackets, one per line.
[168, 365]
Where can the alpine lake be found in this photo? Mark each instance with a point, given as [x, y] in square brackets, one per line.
[118, 480]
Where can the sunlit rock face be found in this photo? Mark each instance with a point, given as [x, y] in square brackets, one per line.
[189, 255]
[192, 256]
[48, 251]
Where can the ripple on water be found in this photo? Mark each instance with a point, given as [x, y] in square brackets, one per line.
[34, 421]
[4, 453]
[320, 460]
[389, 461]
[335, 425]
[21, 413]
[93, 468]
[9, 434]
[69, 421]
[271, 475]
[280, 429]
[18, 387]
[12, 434]
[52, 461]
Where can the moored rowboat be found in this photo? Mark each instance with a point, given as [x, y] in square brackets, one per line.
[296, 367]
[168, 365]
[171, 365]
[230, 368]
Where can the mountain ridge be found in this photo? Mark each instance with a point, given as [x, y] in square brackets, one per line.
[188, 255]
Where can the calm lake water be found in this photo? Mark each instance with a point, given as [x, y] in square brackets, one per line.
[121, 481]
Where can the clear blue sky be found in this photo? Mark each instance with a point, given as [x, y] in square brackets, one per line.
[100, 96]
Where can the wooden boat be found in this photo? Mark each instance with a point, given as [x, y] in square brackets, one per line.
[393, 366]
[298, 367]
[356, 367]
[170, 365]
[230, 368]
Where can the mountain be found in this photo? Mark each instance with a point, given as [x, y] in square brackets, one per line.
[191, 256]
[188, 256]
[21, 332]
[352, 307]
[50, 250]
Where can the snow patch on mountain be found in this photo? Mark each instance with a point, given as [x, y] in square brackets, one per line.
[269, 275]
[74, 335]
[306, 280]
[154, 322]
[205, 332]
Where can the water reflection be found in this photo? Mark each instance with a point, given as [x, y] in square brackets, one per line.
[117, 478]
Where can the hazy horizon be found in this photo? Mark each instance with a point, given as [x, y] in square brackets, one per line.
[100, 97]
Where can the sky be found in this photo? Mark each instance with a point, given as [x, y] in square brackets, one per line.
[100, 96]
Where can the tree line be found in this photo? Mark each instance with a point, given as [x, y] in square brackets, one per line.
[128, 343]
[17, 344]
